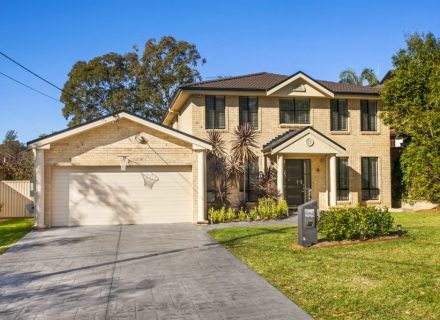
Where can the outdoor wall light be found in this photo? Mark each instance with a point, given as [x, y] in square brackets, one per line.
[123, 162]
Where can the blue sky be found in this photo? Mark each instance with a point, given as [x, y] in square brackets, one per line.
[236, 37]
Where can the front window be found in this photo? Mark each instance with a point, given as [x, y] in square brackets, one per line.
[249, 111]
[215, 112]
[370, 183]
[342, 183]
[339, 115]
[368, 115]
[294, 111]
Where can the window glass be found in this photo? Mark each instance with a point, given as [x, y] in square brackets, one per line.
[370, 179]
[343, 179]
[295, 111]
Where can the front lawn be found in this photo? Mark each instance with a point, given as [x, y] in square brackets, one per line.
[394, 279]
[12, 230]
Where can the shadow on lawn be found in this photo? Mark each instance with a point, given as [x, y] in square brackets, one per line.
[262, 231]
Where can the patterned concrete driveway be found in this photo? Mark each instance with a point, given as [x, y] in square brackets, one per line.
[133, 272]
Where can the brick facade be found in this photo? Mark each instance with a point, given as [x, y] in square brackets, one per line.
[358, 144]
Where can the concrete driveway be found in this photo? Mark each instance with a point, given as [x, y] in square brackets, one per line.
[133, 272]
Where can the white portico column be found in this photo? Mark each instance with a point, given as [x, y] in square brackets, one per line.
[39, 187]
[332, 180]
[280, 175]
[201, 185]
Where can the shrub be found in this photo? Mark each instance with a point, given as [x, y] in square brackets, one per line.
[355, 223]
[253, 214]
[242, 215]
[217, 215]
[282, 208]
[230, 214]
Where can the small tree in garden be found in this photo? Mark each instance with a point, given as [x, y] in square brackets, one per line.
[217, 165]
[243, 148]
[266, 185]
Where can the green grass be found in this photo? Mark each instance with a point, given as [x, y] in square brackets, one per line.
[12, 230]
[394, 279]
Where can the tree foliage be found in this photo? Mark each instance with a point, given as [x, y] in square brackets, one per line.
[412, 107]
[367, 77]
[15, 161]
[143, 84]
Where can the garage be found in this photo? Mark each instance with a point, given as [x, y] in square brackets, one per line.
[107, 196]
[119, 169]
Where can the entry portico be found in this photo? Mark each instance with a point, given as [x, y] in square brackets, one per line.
[306, 166]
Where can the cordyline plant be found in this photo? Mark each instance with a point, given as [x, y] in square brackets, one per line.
[243, 148]
[217, 165]
[266, 185]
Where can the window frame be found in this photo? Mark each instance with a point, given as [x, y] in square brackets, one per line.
[339, 196]
[216, 123]
[369, 114]
[340, 116]
[294, 111]
[251, 195]
[247, 107]
[368, 179]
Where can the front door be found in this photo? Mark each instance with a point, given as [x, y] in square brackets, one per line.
[297, 181]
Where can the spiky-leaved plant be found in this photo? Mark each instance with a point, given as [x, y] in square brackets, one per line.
[244, 144]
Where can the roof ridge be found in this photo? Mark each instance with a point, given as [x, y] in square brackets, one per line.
[226, 78]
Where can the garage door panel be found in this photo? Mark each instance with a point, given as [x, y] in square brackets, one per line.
[90, 196]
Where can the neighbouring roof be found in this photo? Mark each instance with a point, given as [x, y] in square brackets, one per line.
[280, 139]
[114, 116]
[264, 81]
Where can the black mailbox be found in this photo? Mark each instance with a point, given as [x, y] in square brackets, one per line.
[307, 223]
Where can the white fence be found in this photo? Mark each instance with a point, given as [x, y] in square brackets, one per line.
[14, 196]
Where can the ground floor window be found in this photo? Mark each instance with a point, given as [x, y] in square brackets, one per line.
[250, 179]
[370, 180]
[343, 179]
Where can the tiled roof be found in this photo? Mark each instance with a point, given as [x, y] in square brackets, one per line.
[264, 81]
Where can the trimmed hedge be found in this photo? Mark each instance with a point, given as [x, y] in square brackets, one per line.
[266, 208]
[355, 223]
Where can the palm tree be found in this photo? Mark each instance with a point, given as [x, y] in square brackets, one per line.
[350, 76]
[243, 148]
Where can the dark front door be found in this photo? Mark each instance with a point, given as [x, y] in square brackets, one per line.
[294, 181]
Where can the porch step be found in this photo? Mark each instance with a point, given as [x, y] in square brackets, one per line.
[292, 210]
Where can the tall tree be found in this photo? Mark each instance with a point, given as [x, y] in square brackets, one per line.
[412, 107]
[142, 84]
[367, 77]
[15, 160]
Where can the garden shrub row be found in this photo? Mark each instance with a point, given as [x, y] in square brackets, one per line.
[344, 223]
[265, 209]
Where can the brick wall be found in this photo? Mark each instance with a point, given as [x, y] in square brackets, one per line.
[358, 144]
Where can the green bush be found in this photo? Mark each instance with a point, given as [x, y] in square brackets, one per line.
[242, 216]
[230, 214]
[282, 208]
[253, 214]
[217, 215]
[355, 223]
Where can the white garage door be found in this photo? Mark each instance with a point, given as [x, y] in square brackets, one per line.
[105, 196]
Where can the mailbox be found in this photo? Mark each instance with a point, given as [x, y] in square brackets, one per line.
[307, 223]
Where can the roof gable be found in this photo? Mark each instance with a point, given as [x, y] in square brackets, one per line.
[299, 84]
[44, 142]
[307, 140]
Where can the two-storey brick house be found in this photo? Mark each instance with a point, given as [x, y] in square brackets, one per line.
[325, 138]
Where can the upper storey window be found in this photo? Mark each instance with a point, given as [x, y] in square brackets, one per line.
[215, 112]
[249, 111]
[294, 111]
[339, 115]
[368, 115]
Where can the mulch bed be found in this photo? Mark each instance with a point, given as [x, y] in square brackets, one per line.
[328, 244]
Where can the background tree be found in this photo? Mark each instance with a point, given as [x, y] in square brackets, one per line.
[412, 107]
[367, 77]
[15, 160]
[142, 84]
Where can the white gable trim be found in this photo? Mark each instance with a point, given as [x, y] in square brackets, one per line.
[304, 77]
[336, 148]
[44, 143]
